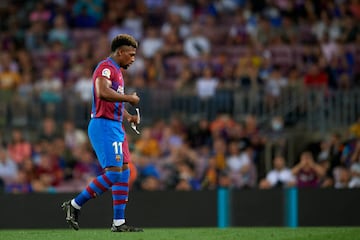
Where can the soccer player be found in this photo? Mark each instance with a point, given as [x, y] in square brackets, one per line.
[107, 135]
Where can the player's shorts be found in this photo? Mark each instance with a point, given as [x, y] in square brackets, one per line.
[126, 152]
[107, 137]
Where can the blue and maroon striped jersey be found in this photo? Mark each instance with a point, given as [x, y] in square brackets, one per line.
[110, 70]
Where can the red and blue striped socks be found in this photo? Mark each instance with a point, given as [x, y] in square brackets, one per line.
[97, 187]
[120, 192]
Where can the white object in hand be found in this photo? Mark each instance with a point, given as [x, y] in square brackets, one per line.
[133, 126]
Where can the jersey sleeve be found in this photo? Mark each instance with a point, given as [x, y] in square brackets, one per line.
[106, 71]
[110, 72]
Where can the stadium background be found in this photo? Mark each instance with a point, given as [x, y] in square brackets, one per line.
[218, 80]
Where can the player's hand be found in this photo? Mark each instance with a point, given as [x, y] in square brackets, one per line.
[134, 99]
[133, 119]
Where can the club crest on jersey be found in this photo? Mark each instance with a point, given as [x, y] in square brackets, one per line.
[118, 158]
[106, 72]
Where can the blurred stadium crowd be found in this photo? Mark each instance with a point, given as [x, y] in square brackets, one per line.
[50, 47]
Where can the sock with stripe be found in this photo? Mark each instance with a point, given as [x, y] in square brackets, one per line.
[97, 187]
[120, 191]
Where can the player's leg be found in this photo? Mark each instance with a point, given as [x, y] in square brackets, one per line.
[97, 187]
[107, 143]
[120, 193]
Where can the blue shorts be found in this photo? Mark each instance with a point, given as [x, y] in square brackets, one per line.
[107, 137]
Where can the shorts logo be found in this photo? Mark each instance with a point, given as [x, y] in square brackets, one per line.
[118, 158]
[106, 73]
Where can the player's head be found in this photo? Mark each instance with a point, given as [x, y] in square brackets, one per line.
[123, 48]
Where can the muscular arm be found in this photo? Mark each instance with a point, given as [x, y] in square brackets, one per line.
[105, 92]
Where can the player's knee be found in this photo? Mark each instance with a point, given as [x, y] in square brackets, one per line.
[114, 177]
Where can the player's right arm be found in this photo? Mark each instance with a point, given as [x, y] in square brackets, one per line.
[105, 92]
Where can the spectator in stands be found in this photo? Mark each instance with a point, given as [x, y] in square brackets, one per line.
[63, 156]
[175, 23]
[295, 80]
[219, 153]
[134, 23]
[307, 171]
[324, 160]
[206, 84]
[40, 13]
[24, 61]
[60, 31]
[48, 173]
[199, 134]
[25, 89]
[263, 32]
[148, 174]
[246, 77]
[181, 8]
[81, 58]
[238, 33]
[279, 176]
[147, 145]
[239, 166]
[9, 62]
[20, 184]
[86, 168]
[355, 170]
[349, 29]
[36, 37]
[19, 149]
[83, 89]
[222, 126]
[186, 177]
[316, 78]
[184, 83]
[355, 128]
[151, 43]
[289, 30]
[171, 139]
[336, 147]
[196, 44]
[9, 79]
[49, 87]
[150, 183]
[330, 49]
[172, 46]
[49, 130]
[154, 71]
[90, 12]
[309, 56]
[84, 19]
[8, 168]
[326, 27]
[342, 177]
[210, 178]
[348, 151]
[74, 137]
[274, 86]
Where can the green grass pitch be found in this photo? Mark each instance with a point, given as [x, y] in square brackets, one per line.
[255, 233]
